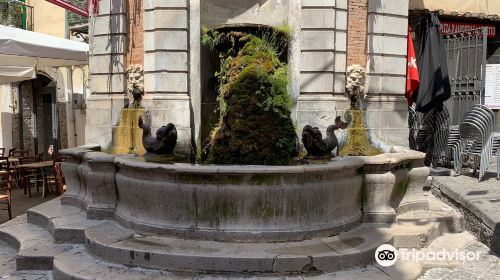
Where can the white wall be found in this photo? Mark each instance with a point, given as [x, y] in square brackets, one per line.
[5, 117]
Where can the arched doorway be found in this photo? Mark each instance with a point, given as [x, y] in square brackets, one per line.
[38, 118]
[45, 114]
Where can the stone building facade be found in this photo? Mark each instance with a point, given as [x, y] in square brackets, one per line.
[328, 36]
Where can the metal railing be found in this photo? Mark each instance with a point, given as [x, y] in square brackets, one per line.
[16, 14]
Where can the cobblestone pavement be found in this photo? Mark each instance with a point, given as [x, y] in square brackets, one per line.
[486, 268]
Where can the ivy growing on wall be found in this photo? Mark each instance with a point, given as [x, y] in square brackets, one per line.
[11, 14]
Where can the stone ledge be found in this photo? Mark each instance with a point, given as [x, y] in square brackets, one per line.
[121, 246]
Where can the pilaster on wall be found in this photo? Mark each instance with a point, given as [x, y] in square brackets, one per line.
[387, 43]
[108, 48]
[166, 66]
[135, 32]
[323, 45]
[356, 32]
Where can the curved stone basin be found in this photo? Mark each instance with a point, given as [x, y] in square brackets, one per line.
[241, 203]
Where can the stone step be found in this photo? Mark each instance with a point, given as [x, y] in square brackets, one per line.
[115, 244]
[417, 229]
[77, 264]
[31, 275]
[21, 235]
[34, 245]
[66, 223]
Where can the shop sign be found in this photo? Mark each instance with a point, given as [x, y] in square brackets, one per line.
[448, 27]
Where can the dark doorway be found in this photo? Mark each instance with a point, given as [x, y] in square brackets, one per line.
[46, 130]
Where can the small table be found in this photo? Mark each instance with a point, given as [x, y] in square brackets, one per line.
[39, 165]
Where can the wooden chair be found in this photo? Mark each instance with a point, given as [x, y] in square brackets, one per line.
[29, 176]
[2, 152]
[20, 154]
[6, 189]
[59, 179]
[11, 151]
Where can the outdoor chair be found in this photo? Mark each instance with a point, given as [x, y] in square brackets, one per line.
[6, 191]
[19, 154]
[59, 178]
[29, 176]
[476, 140]
[11, 151]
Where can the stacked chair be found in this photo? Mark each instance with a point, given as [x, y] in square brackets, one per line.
[477, 140]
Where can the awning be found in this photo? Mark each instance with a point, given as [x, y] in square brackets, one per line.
[22, 52]
[483, 9]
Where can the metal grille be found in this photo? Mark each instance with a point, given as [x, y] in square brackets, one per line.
[466, 54]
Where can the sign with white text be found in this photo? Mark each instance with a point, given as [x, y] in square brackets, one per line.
[492, 86]
[448, 27]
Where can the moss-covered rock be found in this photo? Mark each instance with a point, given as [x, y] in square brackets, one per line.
[255, 125]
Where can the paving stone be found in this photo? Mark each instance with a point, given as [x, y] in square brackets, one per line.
[435, 273]
[460, 275]
[7, 260]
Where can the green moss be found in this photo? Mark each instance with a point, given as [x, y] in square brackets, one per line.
[255, 125]
[358, 141]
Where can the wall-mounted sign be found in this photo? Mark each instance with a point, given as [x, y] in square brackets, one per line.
[492, 86]
[448, 27]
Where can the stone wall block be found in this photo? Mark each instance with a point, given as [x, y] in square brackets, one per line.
[318, 18]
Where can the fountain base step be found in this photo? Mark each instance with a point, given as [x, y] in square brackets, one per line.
[102, 247]
[115, 244]
[66, 223]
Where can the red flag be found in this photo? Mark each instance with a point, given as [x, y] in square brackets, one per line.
[412, 80]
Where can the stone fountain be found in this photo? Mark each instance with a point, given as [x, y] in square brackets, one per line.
[265, 216]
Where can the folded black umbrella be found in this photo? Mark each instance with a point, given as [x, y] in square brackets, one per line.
[434, 81]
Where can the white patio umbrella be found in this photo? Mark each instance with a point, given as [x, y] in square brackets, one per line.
[22, 52]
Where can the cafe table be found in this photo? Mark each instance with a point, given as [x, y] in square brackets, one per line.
[42, 165]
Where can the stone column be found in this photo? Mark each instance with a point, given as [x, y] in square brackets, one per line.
[166, 67]
[387, 109]
[107, 71]
[323, 26]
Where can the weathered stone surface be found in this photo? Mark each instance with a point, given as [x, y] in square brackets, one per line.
[385, 44]
[166, 82]
[318, 18]
[379, 64]
[107, 83]
[106, 25]
[328, 254]
[317, 61]
[318, 3]
[109, 44]
[165, 19]
[170, 61]
[394, 7]
[106, 64]
[385, 24]
[318, 40]
[166, 40]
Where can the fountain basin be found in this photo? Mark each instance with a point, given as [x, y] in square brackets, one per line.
[240, 203]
